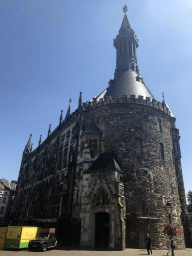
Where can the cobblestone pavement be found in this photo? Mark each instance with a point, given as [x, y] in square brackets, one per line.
[64, 252]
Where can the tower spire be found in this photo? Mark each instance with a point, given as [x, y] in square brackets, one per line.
[69, 109]
[28, 147]
[127, 80]
[126, 44]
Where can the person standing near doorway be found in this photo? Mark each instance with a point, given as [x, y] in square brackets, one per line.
[148, 244]
[169, 244]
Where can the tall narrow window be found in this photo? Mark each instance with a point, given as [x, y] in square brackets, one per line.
[138, 147]
[130, 49]
[143, 208]
[120, 49]
[138, 120]
[125, 47]
[162, 151]
[2, 210]
[159, 125]
[164, 200]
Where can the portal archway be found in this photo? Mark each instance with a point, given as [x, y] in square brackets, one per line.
[102, 230]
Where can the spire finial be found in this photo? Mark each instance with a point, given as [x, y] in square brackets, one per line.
[80, 100]
[49, 131]
[70, 101]
[163, 95]
[40, 140]
[125, 9]
[61, 117]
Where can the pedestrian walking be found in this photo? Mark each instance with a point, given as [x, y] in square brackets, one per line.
[148, 244]
[169, 244]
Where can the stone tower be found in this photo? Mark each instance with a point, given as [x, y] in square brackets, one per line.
[138, 169]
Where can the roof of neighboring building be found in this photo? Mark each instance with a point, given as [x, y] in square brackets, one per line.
[105, 161]
[91, 129]
[13, 185]
[4, 184]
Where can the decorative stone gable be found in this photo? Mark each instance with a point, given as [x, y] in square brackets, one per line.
[101, 197]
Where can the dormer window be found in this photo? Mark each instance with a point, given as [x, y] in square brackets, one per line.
[93, 143]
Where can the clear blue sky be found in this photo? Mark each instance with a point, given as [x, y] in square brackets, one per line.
[53, 49]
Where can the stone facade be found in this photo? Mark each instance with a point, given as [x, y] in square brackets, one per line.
[109, 167]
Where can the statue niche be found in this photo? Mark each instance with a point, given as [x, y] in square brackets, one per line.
[100, 198]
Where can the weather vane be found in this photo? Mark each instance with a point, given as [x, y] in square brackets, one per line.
[125, 9]
[70, 101]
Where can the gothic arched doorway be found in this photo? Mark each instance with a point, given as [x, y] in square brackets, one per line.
[102, 229]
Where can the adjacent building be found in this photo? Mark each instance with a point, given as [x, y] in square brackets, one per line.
[6, 198]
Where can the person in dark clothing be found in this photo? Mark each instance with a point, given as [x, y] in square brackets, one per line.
[148, 244]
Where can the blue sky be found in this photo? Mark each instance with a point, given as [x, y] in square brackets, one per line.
[53, 49]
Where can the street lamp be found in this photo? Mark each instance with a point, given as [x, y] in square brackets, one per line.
[169, 208]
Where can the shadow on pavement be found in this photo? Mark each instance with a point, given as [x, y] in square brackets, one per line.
[83, 249]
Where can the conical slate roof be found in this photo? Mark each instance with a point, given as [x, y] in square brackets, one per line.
[127, 84]
[105, 161]
[91, 129]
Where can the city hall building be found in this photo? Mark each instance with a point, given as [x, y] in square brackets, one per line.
[105, 174]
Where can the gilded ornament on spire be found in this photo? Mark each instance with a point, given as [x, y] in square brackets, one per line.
[125, 9]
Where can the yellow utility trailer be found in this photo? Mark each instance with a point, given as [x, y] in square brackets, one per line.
[19, 237]
[3, 232]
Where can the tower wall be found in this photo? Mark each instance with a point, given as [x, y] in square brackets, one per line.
[149, 180]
